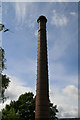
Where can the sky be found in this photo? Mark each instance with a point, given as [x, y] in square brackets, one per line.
[21, 44]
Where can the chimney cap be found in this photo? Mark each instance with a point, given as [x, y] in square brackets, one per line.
[43, 18]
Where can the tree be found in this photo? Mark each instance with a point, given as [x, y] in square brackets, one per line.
[5, 84]
[11, 115]
[24, 107]
[0, 115]
[53, 111]
[4, 80]
[2, 59]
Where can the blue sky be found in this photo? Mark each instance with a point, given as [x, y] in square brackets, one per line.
[21, 43]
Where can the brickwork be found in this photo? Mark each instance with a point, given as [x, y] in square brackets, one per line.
[42, 91]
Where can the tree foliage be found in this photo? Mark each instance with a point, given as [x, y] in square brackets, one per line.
[24, 109]
[53, 111]
[11, 115]
[4, 80]
[2, 59]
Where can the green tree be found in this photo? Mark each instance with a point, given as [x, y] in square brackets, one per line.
[4, 80]
[0, 115]
[25, 108]
[53, 111]
[11, 115]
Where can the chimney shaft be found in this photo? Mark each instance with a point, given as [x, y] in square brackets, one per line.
[42, 92]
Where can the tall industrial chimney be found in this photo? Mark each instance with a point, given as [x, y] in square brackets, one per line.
[42, 92]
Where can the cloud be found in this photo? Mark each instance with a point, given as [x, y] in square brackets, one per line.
[20, 10]
[70, 111]
[66, 104]
[15, 89]
[3, 105]
[58, 51]
[66, 98]
[58, 19]
[73, 13]
[36, 33]
[62, 45]
[24, 14]
[71, 91]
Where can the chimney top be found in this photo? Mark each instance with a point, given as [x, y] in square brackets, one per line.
[42, 18]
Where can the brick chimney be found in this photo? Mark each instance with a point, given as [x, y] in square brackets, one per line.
[42, 90]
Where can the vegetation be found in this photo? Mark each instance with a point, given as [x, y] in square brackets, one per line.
[24, 109]
[4, 80]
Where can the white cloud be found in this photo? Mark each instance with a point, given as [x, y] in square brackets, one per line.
[20, 10]
[59, 74]
[73, 13]
[58, 19]
[36, 33]
[67, 105]
[24, 14]
[71, 91]
[68, 111]
[67, 98]
[15, 89]
[62, 43]
[3, 105]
